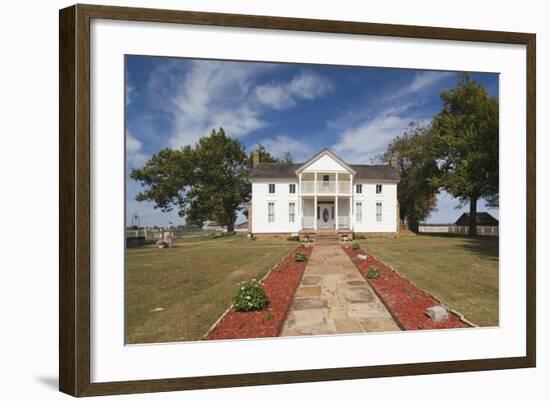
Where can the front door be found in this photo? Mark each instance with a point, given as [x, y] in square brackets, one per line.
[325, 216]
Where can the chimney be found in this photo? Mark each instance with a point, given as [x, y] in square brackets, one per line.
[393, 160]
[255, 158]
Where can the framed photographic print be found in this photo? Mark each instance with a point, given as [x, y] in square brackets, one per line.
[346, 200]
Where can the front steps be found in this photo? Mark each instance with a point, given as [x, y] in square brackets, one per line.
[328, 237]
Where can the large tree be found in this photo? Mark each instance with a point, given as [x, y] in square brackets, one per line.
[411, 155]
[465, 137]
[207, 182]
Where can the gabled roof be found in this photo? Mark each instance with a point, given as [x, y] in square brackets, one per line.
[482, 219]
[376, 172]
[274, 170]
[323, 152]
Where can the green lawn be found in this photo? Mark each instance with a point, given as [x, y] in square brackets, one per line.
[461, 271]
[193, 283]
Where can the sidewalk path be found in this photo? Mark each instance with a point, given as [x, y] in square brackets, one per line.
[333, 297]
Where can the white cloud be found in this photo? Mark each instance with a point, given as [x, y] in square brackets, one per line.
[274, 96]
[212, 95]
[422, 80]
[134, 156]
[306, 85]
[370, 138]
[205, 95]
[364, 138]
[280, 144]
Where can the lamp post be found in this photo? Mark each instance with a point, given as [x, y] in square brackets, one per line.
[136, 218]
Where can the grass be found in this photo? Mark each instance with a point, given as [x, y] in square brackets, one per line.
[193, 283]
[460, 271]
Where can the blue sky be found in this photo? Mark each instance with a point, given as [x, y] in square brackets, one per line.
[303, 108]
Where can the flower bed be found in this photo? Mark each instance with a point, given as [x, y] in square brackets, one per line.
[406, 303]
[280, 286]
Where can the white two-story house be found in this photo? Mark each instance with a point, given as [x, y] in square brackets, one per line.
[324, 193]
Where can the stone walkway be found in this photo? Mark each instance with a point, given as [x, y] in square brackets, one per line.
[333, 297]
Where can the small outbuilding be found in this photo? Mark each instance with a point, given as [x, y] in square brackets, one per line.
[482, 219]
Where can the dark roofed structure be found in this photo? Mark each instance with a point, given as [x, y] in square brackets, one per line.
[275, 170]
[482, 219]
[288, 170]
[376, 172]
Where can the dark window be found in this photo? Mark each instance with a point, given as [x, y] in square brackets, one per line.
[359, 188]
[379, 211]
[378, 188]
[332, 212]
[271, 188]
[271, 212]
[358, 212]
[292, 188]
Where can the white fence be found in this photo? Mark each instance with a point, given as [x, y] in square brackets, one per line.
[491, 231]
[152, 234]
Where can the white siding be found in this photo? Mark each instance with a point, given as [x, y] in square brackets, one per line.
[325, 163]
[281, 198]
[369, 198]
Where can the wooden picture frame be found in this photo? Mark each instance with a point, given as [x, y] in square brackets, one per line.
[74, 203]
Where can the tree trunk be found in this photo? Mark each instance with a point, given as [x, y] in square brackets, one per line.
[413, 226]
[472, 229]
[231, 227]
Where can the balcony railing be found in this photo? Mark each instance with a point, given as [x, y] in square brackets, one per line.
[325, 187]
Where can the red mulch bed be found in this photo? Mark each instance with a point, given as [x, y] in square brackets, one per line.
[280, 286]
[406, 303]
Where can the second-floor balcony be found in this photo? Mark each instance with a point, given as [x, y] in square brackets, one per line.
[326, 187]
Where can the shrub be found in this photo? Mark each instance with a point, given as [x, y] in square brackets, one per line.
[373, 273]
[300, 257]
[268, 316]
[250, 297]
[302, 246]
[293, 238]
[355, 246]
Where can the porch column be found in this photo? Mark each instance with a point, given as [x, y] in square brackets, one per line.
[315, 212]
[336, 207]
[350, 212]
[315, 183]
[337, 188]
[300, 196]
[301, 203]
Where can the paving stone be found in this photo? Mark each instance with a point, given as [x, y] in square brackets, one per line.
[367, 310]
[311, 280]
[358, 294]
[357, 283]
[347, 325]
[379, 324]
[309, 303]
[308, 292]
[338, 312]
